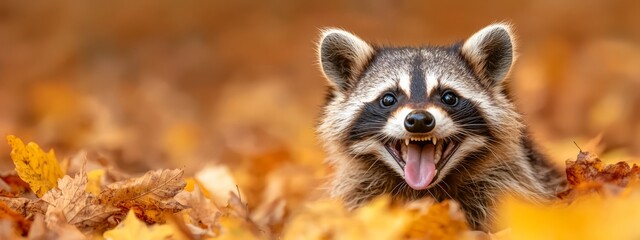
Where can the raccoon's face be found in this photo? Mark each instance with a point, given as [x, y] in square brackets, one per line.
[419, 111]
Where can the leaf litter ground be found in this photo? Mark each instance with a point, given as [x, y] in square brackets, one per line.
[41, 201]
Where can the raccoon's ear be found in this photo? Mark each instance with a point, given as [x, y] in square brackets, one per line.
[343, 57]
[490, 53]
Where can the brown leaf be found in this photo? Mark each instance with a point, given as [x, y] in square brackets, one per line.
[21, 224]
[16, 185]
[59, 228]
[25, 206]
[588, 174]
[71, 202]
[203, 211]
[154, 190]
[236, 214]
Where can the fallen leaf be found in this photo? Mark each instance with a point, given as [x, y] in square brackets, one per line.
[218, 181]
[587, 218]
[134, 229]
[76, 205]
[41, 170]
[589, 174]
[94, 181]
[235, 228]
[57, 227]
[25, 206]
[379, 219]
[444, 220]
[16, 185]
[202, 210]
[21, 224]
[150, 194]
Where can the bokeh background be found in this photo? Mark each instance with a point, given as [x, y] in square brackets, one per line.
[152, 84]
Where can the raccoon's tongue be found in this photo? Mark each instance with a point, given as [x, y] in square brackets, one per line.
[420, 167]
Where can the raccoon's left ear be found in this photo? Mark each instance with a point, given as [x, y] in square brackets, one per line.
[490, 53]
[343, 57]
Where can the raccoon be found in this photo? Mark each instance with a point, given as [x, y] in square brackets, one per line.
[412, 122]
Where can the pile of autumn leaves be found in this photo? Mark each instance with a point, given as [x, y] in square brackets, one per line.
[40, 201]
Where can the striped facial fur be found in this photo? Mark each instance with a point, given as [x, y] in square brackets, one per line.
[419, 111]
[420, 121]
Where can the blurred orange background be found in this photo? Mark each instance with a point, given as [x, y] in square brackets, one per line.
[156, 83]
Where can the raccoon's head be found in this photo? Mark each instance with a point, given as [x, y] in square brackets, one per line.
[421, 112]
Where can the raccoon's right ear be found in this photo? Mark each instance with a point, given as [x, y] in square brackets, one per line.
[343, 57]
[491, 52]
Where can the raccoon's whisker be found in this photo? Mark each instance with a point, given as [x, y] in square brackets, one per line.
[475, 184]
[445, 191]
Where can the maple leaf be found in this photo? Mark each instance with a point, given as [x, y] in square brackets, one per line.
[153, 191]
[41, 170]
[134, 229]
[71, 201]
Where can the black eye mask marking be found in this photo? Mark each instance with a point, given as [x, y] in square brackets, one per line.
[371, 120]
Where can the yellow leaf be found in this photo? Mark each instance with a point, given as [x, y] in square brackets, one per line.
[591, 217]
[41, 170]
[134, 229]
[95, 177]
[191, 184]
[234, 228]
[376, 220]
[444, 220]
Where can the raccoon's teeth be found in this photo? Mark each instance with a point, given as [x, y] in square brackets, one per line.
[434, 140]
[438, 153]
[406, 141]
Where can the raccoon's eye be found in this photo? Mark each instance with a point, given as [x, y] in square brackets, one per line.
[388, 99]
[450, 99]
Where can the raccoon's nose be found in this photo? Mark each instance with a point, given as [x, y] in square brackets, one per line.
[419, 122]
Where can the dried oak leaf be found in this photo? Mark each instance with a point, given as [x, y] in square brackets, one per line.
[134, 229]
[153, 191]
[76, 205]
[41, 170]
[589, 174]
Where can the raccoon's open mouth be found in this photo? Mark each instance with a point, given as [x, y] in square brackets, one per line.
[421, 158]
